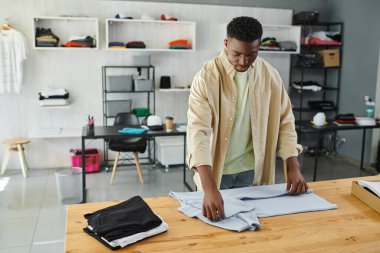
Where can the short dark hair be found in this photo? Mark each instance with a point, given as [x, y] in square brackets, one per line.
[245, 29]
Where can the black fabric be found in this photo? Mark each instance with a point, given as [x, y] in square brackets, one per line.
[66, 96]
[88, 231]
[321, 105]
[125, 219]
[347, 116]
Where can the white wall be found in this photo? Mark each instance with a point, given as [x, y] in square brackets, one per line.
[80, 71]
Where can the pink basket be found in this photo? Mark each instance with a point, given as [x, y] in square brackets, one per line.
[92, 160]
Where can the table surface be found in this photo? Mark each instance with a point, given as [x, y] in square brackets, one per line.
[307, 126]
[112, 131]
[353, 227]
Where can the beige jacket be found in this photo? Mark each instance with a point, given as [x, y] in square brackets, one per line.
[211, 112]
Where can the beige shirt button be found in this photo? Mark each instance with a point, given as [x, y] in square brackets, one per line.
[233, 98]
[231, 119]
[225, 139]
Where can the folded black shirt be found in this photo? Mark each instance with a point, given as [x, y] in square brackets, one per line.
[125, 219]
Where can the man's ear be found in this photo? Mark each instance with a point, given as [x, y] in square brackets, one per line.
[225, 43]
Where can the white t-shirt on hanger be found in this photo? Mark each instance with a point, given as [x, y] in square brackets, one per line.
[12, 54]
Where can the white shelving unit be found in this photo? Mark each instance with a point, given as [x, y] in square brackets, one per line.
[280, 32]
[175, 90]
[63, 27]
[283, 33]
[156, 34]
[55, 107]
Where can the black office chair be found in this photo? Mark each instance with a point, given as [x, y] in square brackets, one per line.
[129, 144]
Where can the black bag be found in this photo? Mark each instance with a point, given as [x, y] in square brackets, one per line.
[306, 17]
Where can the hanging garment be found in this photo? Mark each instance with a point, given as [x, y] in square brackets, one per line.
[13, 52]
[243, 206]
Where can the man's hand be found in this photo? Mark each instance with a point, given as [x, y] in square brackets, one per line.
[296, 183]
[213, 206]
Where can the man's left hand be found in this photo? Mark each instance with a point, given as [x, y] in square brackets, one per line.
[296, 183]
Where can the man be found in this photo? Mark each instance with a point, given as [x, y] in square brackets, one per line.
[239, 117]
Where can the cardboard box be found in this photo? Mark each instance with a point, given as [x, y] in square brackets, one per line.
[366, 196]
[330, 57]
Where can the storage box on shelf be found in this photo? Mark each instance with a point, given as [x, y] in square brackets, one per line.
[118, 106]
[156, 34]
[64, 27]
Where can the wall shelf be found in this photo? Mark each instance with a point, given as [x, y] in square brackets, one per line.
[175, 90]
[55, 107]
[63, 27]
[156, 34]
[283, 33]
[280, 32]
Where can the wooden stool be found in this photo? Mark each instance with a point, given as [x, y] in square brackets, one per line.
[15, 145]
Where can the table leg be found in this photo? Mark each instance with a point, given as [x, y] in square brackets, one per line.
[316, 156]
[83, 171]
[184, 165]
[363, 146]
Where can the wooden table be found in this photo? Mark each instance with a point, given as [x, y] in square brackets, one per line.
[353, 227]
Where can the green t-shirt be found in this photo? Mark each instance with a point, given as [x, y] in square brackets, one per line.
[240, 156]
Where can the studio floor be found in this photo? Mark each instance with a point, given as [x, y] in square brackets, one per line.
[33, 220]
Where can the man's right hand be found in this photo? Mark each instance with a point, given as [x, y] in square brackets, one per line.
[213, 206]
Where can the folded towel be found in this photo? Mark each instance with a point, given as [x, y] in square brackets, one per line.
[129, 130]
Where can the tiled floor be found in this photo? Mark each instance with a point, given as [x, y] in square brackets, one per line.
[32, 219]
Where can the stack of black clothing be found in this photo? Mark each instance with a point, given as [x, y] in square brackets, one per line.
[321, 105]
[135, 44]
[345, 119]
[46, 38]
[125, 223]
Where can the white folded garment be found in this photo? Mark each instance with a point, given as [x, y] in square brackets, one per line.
[243, 206]
[125, 241]
[77, 37]
[53, 102]
[48, 92]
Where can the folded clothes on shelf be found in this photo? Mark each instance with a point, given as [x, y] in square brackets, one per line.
[135, 44]
[270, 44]
[53, 93]
[80, 41]
[179, 44]
[46, 38]
[308, 85]
[321, 105]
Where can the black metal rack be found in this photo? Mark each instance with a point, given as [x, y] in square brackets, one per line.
[146, 71]
[301, 73]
